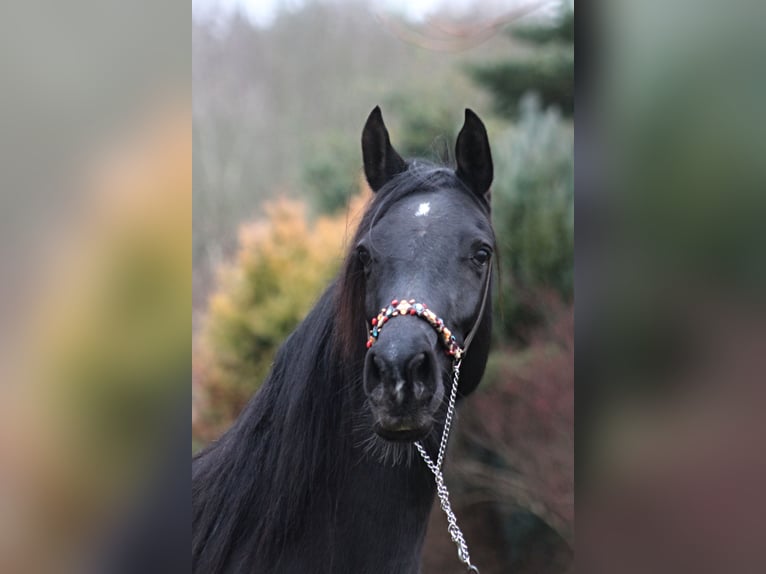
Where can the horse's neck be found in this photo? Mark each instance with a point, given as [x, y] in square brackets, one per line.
[365, 514]
[378, 514]
[368, 482]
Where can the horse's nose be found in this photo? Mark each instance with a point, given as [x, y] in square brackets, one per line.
[400, 379]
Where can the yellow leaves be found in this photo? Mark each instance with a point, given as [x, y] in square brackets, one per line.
[284, 263]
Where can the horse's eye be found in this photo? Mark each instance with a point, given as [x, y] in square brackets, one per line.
[482, 256]
[364, 256]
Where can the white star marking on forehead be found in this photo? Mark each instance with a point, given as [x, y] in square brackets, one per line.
[423, 209]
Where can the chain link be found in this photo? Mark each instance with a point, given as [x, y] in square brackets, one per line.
[436, 468]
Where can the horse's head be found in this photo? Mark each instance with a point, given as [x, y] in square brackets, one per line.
[426, 240]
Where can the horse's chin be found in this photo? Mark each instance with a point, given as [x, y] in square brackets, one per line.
[402, 433]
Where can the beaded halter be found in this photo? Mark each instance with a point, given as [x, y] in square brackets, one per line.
[411, 307]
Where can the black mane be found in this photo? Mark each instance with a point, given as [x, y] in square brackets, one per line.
[288, 427]
[251, 489]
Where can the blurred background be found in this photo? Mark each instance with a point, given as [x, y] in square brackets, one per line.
[670, 288]
[95, 290]
[281, 92]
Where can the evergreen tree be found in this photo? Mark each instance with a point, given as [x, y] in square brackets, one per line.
[549, 72]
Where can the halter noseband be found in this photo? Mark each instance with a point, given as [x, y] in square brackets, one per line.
[401, 308]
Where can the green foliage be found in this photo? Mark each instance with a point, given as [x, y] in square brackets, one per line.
[562, 31]
[549, 72]
[427, 126]
[533, 212]
[330, 175]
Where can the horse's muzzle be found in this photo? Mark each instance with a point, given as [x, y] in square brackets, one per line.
[401, 378]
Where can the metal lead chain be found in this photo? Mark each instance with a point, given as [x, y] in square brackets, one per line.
[436, 468]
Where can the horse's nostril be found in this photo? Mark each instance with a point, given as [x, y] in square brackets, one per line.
[375, 369]
[396, 382]
[419, 368]
[419, 371]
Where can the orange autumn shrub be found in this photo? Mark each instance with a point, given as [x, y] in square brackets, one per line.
[284, 263]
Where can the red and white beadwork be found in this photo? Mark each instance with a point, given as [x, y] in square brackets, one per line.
[399, 308]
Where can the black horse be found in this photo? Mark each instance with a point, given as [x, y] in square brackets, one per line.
[317, 475]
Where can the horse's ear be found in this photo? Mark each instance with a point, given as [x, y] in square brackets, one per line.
[474, 159]
[381, 162]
